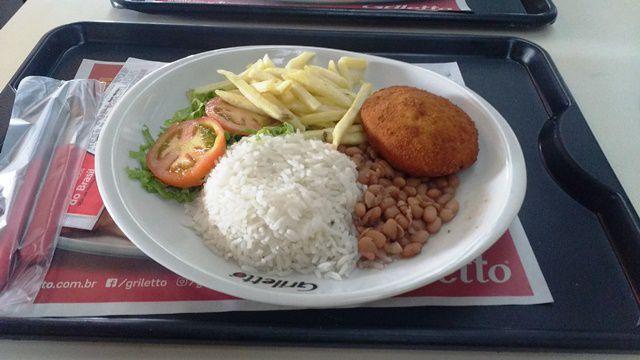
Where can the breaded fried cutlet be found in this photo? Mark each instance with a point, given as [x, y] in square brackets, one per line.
[418, 132]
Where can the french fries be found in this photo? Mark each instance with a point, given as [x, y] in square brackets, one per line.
[350, 116]
[322, 117]
[353, 135]
[238, 100]
[254, 96]
[322, 102]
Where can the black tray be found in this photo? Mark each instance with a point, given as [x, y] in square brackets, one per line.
[495, 13]
[580, 224]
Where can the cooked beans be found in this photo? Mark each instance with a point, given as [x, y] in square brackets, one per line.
[360, 209]
[410, 190]
[411, 249]
[370, 199]
[452, 205]
[378, 238]
[399, 181]
[363, 176]
[393, 248]
[434, 193]
[393, 191]
[372, 216]
[398, 214]
[417, 225]
[420, 237]
[375, 189]
[444, 198]
[454, 181]
[441, 182]
[387, 202]
[403, 242]
[434, 226]
[413, 181]
[353, 150]
[391, 212]
[416, 211]
[402, 221]
[446, 215]
[429, 214]
[390, 229]
[367, 248]
[382, 255]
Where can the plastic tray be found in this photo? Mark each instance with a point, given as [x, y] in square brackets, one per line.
[581, 226]
[496, 13]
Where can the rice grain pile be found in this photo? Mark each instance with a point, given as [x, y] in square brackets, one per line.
[281, 205]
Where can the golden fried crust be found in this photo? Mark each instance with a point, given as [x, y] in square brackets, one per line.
[418, 132]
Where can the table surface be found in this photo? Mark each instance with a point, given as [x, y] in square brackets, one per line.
[594, 44]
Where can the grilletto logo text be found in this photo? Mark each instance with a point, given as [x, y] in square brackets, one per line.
[479, 271]
[275, 283]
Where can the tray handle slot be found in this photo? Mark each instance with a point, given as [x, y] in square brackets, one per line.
[53, 45]
[539, 7]
[543, 74]
[613, 209]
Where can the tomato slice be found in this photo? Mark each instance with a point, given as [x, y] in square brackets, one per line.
[236, 120]
[186, 152]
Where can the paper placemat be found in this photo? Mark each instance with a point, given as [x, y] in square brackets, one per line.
[99, 272]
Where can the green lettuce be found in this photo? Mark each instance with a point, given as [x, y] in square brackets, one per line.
[278, 130]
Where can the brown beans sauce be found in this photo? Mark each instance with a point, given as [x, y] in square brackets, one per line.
[398, 213]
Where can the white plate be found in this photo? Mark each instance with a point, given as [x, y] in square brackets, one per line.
[490, 194]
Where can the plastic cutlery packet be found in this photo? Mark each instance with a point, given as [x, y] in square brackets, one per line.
[41, 156]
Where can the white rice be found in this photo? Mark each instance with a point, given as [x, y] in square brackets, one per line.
[281, 205]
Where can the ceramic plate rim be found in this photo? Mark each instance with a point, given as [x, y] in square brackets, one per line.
[135, 232]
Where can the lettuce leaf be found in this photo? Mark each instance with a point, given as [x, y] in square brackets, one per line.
[278, 130]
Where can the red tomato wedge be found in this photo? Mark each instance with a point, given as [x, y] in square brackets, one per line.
[186, 152]
[236, 120]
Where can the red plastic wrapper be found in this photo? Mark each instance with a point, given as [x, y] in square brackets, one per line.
[42, 154]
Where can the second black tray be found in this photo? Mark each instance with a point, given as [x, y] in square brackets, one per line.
[495, 13]
[577, 217]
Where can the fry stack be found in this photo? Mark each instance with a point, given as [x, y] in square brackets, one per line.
[322, 102]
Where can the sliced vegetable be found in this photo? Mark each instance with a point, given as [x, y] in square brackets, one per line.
[186, 152]
[149, 182]
[236, 120]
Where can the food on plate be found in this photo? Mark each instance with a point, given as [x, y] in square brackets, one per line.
[353, 135]
[419, 132]
[307, 96]
[299, 168]
[323, 103]
[236, 120]
[186, 152]
[150, 182]
[397, 213]
[281, 204]
[350, 116]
